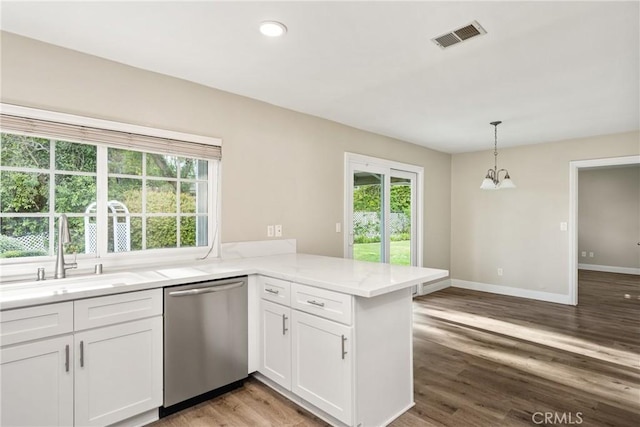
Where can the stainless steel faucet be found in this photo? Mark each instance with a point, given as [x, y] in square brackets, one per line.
[64, 237]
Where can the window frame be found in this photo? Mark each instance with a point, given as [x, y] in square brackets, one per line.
[16, 266]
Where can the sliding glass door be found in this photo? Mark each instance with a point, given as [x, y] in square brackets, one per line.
[381, 215]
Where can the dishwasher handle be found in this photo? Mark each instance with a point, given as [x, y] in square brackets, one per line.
[214, 288]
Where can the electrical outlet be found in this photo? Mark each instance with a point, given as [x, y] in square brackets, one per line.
[590, 254]
[499, 272]
[583, 253]
[269, 230]
[278, 230]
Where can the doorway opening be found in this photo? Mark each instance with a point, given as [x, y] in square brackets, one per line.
[574, 168]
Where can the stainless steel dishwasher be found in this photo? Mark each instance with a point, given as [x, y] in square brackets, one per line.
[205, 340]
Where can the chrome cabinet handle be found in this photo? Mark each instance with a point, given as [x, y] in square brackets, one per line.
[316, 303]
[82, 354]
[344, 353]
[271, 291]
[66, 358]
[197, 291]
[284, 325]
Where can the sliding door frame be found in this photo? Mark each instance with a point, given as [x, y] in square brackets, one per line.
[388, 168]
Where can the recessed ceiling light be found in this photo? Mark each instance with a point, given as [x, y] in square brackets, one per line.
[272, 28]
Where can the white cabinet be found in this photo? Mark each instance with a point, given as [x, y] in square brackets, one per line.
[37, 383]
[108, 371]
[275, 343]
[118, 372]
[351, 358]
[304, 353]
[322, 364]
[36, 368]
[118, 364]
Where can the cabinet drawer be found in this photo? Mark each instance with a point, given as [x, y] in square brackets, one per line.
[25, 324]
[275, 290]
[102, 311]
[321, 302]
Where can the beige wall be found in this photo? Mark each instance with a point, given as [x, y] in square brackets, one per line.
[519, 230]
[279, 166]
[609, 216]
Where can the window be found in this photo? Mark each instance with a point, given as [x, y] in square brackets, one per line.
[39, 178]
[165, 198]
[118, 197]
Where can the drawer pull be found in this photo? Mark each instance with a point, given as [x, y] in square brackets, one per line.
[316, 303]
[284, 325]
[66, 358]
[82, 354]
[272, 291]
[343, 352]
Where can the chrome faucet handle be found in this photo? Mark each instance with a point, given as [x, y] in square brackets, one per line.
[73, 264]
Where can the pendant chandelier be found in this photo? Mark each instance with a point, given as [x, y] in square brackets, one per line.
[492, 180]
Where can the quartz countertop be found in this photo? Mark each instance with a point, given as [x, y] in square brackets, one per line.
[359, 278]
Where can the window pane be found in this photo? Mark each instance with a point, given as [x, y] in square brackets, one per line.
[161, 197]
[193, 169]
[188, 231]
[368, 216]
[136, 234]
[126, 237]
[81, 242]
[119, 233]
[24, 237]
[193, 197]
[162, 165]
[75, 157]
[127, 191]
[400, 221]
[125, 161]
[161, 232]
[24, 151]
[24, 192]
[74, 193]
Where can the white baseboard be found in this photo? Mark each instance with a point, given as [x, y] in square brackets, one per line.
[514, 292]
[609, 269]
[429, 288]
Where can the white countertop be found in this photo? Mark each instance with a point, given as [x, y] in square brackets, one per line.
[363, 279]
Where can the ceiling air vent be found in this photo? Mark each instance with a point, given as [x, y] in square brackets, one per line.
[459, 35]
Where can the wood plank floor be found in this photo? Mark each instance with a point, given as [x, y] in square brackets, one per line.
[489, 360]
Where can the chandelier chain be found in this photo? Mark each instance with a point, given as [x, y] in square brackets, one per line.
[495, 146]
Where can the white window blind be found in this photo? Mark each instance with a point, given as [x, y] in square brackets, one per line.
[119, 139]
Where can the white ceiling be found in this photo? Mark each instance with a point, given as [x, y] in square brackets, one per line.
[548, 70]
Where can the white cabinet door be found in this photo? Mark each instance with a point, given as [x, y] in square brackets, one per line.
[275, 343]
[37, 383]
[322, 370]
[118, 371]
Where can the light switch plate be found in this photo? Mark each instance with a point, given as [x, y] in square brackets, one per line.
[563, 226]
